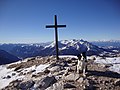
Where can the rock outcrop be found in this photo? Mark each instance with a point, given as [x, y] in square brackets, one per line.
[61, 75]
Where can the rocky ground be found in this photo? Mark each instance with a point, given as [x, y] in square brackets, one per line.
[61, 75]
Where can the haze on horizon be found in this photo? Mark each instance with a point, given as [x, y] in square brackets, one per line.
[23, 21]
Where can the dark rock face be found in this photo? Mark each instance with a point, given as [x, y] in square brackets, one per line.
[6, 58]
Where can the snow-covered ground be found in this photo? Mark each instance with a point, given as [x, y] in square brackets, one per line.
[9, 75]
[4, 76]
[115, 63]
[70, 56]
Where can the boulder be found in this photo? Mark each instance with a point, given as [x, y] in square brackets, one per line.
[68, 85]
[86, 81]
[117, 82]
[45, 82]
[73, 68]
[8, 76]
[46, 71]
[80, 80]
[13, 74]
[72, 77]
[56, 68]
[56, 86]
[26, 85]
[17, 68]
[64, 64]
[108, 65]
[52, 65]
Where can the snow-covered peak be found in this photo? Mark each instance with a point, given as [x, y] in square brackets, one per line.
[72, 46]
[73, 41]
[68, 43]
[77, 44]
[51, 45]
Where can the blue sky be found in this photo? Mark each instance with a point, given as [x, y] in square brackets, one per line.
[23, 21]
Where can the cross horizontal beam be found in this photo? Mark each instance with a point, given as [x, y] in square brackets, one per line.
[53, 26]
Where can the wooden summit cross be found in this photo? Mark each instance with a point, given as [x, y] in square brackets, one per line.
[56, 34]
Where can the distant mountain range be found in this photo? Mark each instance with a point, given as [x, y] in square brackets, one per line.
[66, 47]
[110, 43]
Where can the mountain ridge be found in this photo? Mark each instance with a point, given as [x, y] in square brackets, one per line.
[66, 47]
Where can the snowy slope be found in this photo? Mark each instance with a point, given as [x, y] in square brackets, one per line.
[9, 75]
[6, 76]
[114, 62]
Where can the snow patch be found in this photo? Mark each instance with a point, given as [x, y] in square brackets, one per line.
[114, 61]
[115, 68]
[13, 75]
[4, 72]
[70, 56]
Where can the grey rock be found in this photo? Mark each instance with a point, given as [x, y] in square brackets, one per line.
[56, 86]
[26, 85]
[68, 85]
[66, 71]
[17, 68]
[33, 71]
[55, 68]
[13, 74]
[86, 81]
[80, 80]
[72, 77]
[58, 73]
[52, 65]
[73, 68]
[8, 76]
[108, 65]
[30, 59]
[46, 71]
[45, 82]
[117, 82]
[69, 61]
[33, 75]
[63, 63]
[106, 82]
[13, 83]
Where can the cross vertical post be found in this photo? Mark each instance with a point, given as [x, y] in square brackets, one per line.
[56, 37]
[56, 26]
